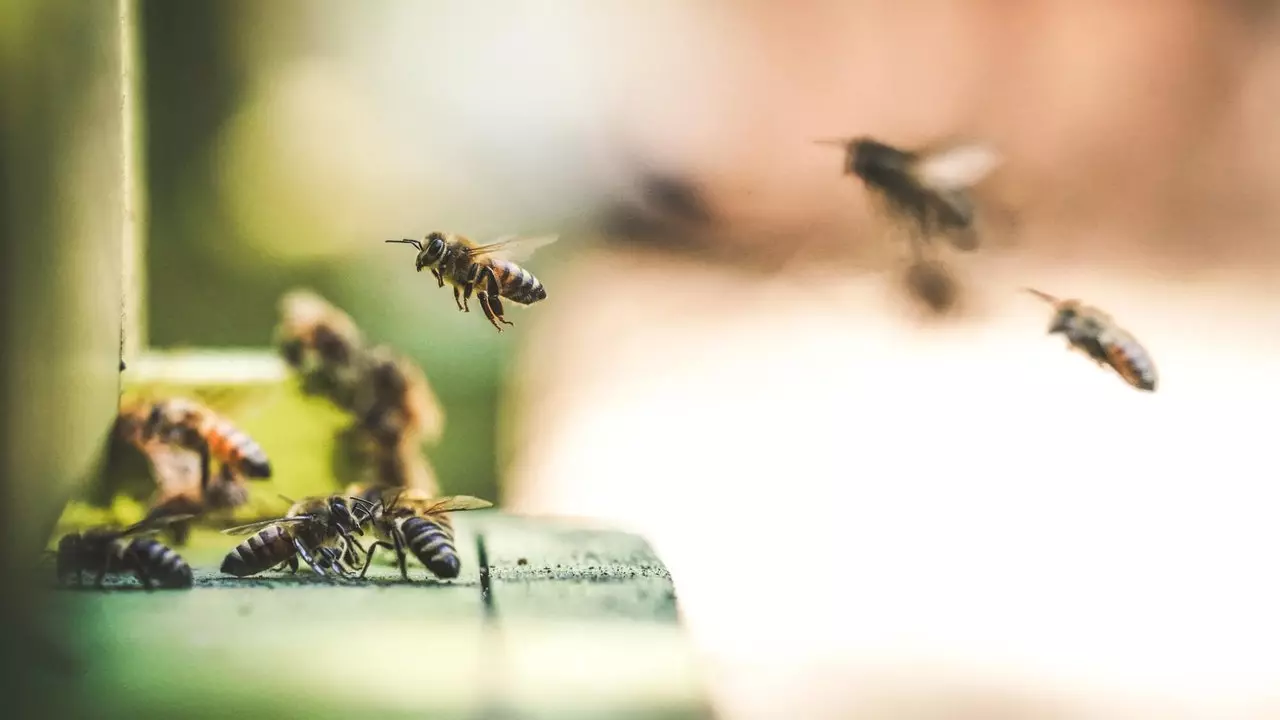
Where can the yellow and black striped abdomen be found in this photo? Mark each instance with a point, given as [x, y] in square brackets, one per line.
[232, 446]
[151, 559]
[431, 541]
[1127, 356]
[517, 284]
[262, 551]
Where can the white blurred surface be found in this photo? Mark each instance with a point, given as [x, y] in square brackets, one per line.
[841, 494]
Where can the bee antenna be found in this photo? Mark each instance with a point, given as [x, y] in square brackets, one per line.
[1042, 295]
[837, 142]
[409, 241]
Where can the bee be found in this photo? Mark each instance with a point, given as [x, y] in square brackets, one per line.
[393, 400]
[320, 342]
[103, 550]
[927, 187]
[490, 270]
[190, 425]
[1094, 333]
[307, 530]
[416, 521]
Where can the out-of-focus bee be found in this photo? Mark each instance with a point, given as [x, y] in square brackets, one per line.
[405, 518]
[1094, 333]
[103, 550]
[309, 529]
[490, 270]
[320, 342]
[393, 400]
[927, 187]
[190, 425]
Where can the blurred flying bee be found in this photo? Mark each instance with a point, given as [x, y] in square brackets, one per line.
[309, 529]
[322, 343]
[190, 425]
[928, 187]
[1094, 333]
[393, 400]
[103, 550]
[406, 518]
[490, 270]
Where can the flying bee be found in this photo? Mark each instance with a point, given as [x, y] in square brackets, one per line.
[1094, 333]
[490, 270]
[321, 342]
[307, 530]
[414, 520]
[103, 550]
[393, 400]
[927, 187]
[190, 425]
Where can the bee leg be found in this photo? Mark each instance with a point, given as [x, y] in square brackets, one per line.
[306, 555]
[400, 556]
[466, 295]
[206, 471]
[488, 311]
[438, 276]
[291, 563]
[493, 296]
[144, 577]
[368, 556]
[495, 304]
[457, 297]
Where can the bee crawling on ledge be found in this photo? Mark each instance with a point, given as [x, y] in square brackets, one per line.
[488, 270]
[1094, 333]
[409, 519]
[309, 529]
[104, 550]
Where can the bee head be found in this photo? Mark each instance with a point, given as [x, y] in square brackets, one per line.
[868, 158]
[1062, 319]
[343, 516]
[152, 424]
[432, 251]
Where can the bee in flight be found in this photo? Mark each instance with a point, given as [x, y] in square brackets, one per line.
[488, 270]
[409, 518]
[190, 425]
[320, 342]
[928, 187]
[1094, 333]
[103, 550]
[309, 529]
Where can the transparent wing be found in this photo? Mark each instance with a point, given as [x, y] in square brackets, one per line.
[956, 167]
[450, 504]
[512, 247]
[250, 527]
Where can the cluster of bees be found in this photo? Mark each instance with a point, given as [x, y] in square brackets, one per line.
[394, 411]
[393, 496]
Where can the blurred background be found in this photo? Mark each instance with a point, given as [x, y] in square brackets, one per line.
[868, 509]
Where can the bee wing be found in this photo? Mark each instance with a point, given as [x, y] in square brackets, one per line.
[956, 167]
[154, 523]
[452, 504]
[250, 527]
[512, 247]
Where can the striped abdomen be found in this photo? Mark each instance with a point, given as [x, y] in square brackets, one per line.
[269, 547]
[151, 559]
[1129, 358]
[517, 284]
[233, 447]
[431, 541]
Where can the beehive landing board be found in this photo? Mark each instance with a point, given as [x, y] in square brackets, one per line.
[585, 627]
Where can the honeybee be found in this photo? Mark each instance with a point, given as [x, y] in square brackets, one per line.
[190, 425]
[927, 187]
[393, 400]
[322, 343]
[103, 550]
[308, 529]
[1094, 333]
[406, 518]
[490, 270]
